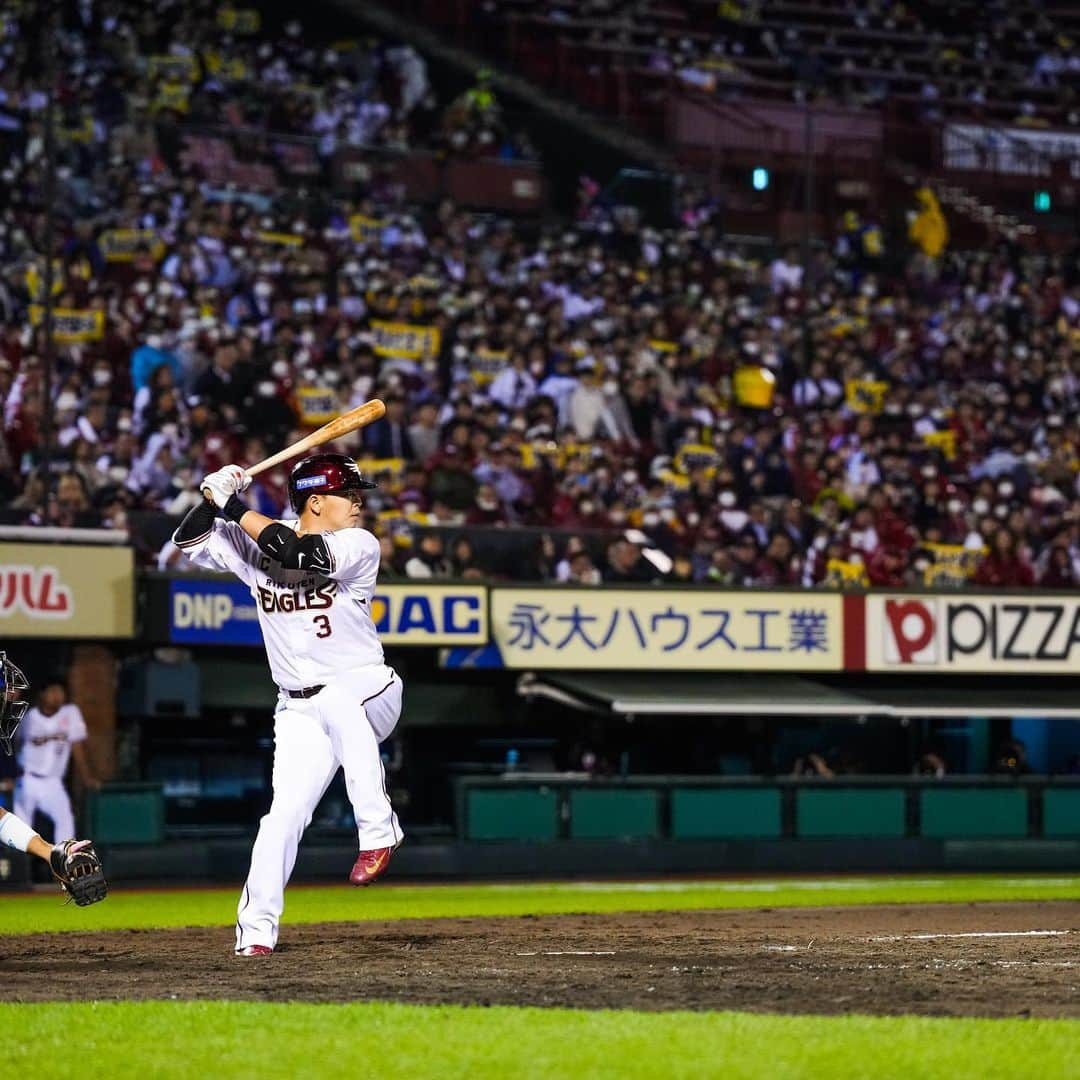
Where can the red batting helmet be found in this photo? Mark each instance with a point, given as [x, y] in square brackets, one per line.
[325, 474]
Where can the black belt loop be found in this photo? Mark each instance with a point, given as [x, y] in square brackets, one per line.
[307, 692]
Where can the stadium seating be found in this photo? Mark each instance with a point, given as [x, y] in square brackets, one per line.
[589, 390]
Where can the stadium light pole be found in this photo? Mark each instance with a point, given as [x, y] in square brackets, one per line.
[49, 243]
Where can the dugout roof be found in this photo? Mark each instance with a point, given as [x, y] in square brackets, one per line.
[734, 694]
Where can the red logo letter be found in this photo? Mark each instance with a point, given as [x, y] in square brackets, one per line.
[897, 611]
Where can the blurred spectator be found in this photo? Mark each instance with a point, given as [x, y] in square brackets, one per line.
[1012, 759]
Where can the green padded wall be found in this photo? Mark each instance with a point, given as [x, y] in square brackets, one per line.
[702, 813]
[1061, 811]
[629, 813]
[973, 812]
[850, 812]
[531, 814]
[126, 814]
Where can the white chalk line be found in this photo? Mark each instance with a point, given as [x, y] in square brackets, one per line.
[569, 952]
[973, 934]
[823, 885]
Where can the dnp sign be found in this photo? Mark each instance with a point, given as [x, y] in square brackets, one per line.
[212, 613]
[431, 614]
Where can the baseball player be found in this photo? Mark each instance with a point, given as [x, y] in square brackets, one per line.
[74, 863]
[53, 733]
[312, 581]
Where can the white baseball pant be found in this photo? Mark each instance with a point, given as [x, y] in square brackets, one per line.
[47, 794]
[340, 727]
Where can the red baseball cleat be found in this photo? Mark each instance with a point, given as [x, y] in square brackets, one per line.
[255, 950]
[370, 865]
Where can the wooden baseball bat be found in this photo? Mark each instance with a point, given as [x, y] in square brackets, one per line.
[359, 417]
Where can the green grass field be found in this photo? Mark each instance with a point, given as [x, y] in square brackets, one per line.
[153, 909]
[240, 1039]
[200, 1040]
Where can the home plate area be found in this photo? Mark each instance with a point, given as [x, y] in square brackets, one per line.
[932, 959]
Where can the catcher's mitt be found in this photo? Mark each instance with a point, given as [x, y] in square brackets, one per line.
[77, 867]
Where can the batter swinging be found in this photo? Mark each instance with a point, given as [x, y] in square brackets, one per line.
[312, 583]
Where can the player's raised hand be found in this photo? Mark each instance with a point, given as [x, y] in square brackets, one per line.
[220, 486]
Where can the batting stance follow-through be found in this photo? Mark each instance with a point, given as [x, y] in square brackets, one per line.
[74, 863]
[312, 583]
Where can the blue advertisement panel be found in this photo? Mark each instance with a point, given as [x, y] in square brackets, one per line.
[212, 613]
[223, 612]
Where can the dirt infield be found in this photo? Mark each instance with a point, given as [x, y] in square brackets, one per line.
[912, 959]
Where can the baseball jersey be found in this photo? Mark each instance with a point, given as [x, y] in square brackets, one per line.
[314, 626]
[47, 740]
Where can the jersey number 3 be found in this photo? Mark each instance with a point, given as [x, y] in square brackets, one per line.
[323, 623]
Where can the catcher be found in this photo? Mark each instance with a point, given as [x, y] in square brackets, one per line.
[74, 863]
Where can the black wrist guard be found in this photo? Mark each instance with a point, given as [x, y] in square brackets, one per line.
[234, 509]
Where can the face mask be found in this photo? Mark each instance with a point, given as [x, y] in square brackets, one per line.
[586, 508]
[280, 369]
[102, 377]
[650, 520]
[727, 499]
[693, 519]
[955, 506]
[266, 389]
[629, 477]
[1001, 511]
[142, 287]
[981, 506]
[263, 289]
[1005, 488]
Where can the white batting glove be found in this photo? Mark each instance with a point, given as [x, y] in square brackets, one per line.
[225, 483]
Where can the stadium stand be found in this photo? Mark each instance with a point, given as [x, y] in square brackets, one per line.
[623, 402]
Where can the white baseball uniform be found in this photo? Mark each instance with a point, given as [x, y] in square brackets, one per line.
[44, 756]
[318, 631]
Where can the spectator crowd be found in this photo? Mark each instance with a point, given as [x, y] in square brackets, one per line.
[647, 404]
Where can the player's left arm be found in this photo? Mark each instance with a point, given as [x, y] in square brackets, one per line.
[348, 555]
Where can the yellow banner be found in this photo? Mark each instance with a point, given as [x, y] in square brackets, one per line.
[945, 441]
[173, 95]
[120, 245]
[66, 591]
[865, 395]
[668, 630]
[486, 364]
[70, 325]
[35, 280]
[239, 20]
[695, 456]
[366, 230]
[952, 565]
[174, 68]
[431, 614]
[840, 574]
[284, 239]
[373, 466]
[317, 406]
[82, 133]
[755, 387]
[405, 340]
